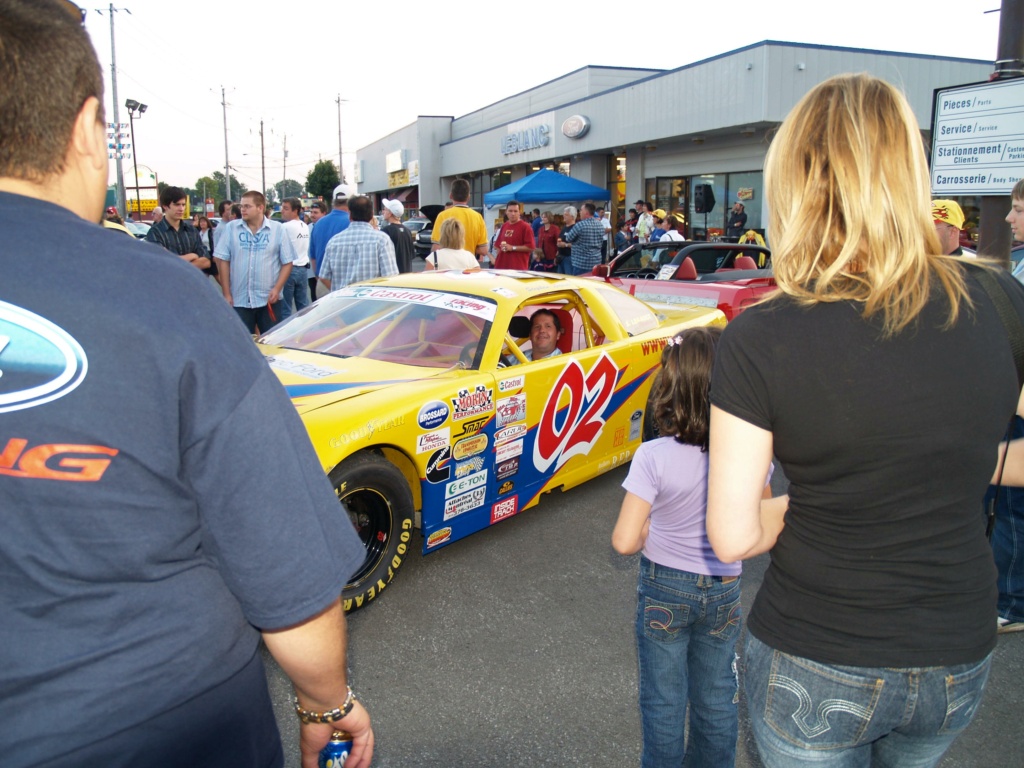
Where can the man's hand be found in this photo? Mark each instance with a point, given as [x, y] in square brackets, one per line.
[275, 294]
[313, 737]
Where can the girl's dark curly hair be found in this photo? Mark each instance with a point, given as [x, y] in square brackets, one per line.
[681, 392]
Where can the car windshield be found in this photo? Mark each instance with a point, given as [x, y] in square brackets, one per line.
[415, 226]
[647, 259]
[408, 326]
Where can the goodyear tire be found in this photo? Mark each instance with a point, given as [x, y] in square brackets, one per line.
[374, 494]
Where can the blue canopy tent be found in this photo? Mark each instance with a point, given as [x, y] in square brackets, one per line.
[545, 186]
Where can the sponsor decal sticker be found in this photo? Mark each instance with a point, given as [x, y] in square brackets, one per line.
[39, 361]
[511, 385]
[620, 437]
[469, 446]
[472, 427]
[470, 403]
[507, 468]
[506, 487]
[636, 425]
[306, 370]
[507, 451]
[383, 425]
[509, 433]
[510, 410]
[439, 536]
[467, 501]
[508, 294]
[433, 441]
[451, 301]
[573, 432]
[438, 469]
[467, 467]
[701, 301]
[504, 508]
[457, 487]
[653, 347]
[432, 415]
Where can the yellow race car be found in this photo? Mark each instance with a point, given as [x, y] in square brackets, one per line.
[426, 410]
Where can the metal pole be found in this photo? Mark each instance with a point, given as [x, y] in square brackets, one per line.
[135, 164]
[122, 206]
[993, 232]
[284, 177]
[341, 166]
[263, 162]
[227, 165]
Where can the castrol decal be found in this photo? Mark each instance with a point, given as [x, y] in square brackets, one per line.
[573, 430]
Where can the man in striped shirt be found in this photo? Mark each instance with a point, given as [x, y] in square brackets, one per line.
[254, 260]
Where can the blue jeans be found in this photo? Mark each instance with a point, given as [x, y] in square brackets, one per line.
[686, 630]
[1008, 544]
[804, 713]
[262, 318]
[565, 266]
[296, 287]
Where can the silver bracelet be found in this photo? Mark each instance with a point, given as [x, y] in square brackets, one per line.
[331, 715]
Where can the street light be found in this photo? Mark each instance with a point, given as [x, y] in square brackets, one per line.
[135, 109]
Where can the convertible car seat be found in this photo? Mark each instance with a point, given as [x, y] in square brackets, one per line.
[744, 262]
[687, 270]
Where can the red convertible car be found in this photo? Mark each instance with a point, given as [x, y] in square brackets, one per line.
[728, 276]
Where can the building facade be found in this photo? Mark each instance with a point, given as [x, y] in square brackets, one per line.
[643, 134]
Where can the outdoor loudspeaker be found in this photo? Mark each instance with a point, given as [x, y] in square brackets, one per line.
[703, 198]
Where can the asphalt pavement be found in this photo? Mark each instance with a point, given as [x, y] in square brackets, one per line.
[515, 647]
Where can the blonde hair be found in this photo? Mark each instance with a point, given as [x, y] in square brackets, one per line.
[452, 234]
[849, 200]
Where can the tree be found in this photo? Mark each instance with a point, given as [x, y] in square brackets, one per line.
[288, 188]
[321, 181]
[216, 188]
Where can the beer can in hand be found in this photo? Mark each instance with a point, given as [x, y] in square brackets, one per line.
[337, 750]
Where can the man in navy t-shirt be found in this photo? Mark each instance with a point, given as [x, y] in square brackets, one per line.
[144, 551]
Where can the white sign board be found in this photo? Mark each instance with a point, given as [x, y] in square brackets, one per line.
[978, 138]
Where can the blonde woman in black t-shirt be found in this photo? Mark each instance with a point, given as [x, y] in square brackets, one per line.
[881, 378]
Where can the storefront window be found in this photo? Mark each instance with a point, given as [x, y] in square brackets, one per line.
[711, 223]
[748, 188]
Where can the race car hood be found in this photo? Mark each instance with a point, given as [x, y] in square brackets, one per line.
[313, 380]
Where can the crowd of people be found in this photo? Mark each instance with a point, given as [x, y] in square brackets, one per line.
[881, 376]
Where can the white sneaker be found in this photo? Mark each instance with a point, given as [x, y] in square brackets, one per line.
[1005, 625]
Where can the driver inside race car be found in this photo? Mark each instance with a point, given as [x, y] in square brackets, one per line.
[545, 331]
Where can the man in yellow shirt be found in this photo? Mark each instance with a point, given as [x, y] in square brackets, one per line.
[472, 222]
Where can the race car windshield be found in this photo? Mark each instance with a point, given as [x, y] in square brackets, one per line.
[409, 328]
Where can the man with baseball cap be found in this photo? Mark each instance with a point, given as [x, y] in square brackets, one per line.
[330, 225]
[949, 220]
[401, 238]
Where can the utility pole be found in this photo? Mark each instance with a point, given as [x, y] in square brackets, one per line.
[122, 206]
[227, 166]
[994, 234]
[263, 162]
[284, 177]
[341, 167]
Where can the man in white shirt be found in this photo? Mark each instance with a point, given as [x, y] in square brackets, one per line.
[297, 231]
[606, 223]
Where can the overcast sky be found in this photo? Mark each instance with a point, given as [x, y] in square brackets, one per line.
[285, 63]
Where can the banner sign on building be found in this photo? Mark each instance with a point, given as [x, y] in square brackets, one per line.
[978, 138]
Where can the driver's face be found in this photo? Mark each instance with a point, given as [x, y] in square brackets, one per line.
[543, 336]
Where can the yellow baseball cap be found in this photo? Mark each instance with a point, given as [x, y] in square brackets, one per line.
[948, 212]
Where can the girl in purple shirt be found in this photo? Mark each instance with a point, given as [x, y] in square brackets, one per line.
[688, 601]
